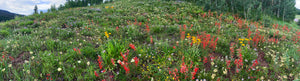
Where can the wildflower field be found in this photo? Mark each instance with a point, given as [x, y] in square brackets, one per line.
[146, 40]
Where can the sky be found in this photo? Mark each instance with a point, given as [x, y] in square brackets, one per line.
[25, 7]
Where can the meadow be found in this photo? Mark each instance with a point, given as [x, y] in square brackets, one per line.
[147, 40]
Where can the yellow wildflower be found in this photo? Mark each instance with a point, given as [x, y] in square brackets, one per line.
[243, 44]
[199, 41]
[107, 34]
[188, 35]
[194, 39]
[106, 6]
[112, 7]
[246, 39]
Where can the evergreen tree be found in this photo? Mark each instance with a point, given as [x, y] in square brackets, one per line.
[35, 9]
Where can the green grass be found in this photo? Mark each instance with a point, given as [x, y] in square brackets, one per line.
[297, 17]
[174, 38]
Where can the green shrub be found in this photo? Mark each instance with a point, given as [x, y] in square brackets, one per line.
[24, 31]
[3, 33]
[29, 23]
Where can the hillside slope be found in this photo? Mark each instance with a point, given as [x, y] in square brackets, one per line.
[5, 15]
[146, 40]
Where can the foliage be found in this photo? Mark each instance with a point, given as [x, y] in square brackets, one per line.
[144, 40]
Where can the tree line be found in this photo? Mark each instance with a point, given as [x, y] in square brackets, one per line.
[252, 9]
[75, 3]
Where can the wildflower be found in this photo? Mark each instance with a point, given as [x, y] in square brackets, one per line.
[151, 39]
[194, 39]
[191, 26]
[119, 61]
[132, 46]
[213, 76]
[132, 60]
[3, 69]
[26, 61]
[182, 35]
[107, 34]
[215, 70]
[99, 62]
[11, 58]
[88, 63]
[188, 35]
[194, 73]
[117, 28]
[205, 60]
[9, 65]
[212, 63]
[79, 61]
[96, 74]
[136, 61]
[147, 28]
[112, 61]
[106, 7]
[28, 71]
[58, 69]
[112, 7]
[225, 71]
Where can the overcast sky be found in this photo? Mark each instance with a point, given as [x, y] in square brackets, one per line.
[25, 7]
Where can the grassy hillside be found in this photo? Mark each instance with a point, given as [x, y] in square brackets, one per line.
[146, 40]
[5, 15]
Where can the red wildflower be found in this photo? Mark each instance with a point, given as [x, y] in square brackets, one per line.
[124, 56]
[191, 26]
[151, 39]
[132, 46]
[147, 28]
[79, 51]
[11, 58]
[117, 28]
[112, 61]
[228, 63]
[100, 62]
[174, 47]
[96, 74]
[183, 69]
[184, 27]
[47, 76]
[136, 61]
[194, 73]
[135, 21]
[182, 35]
[205, 60]
[126, 69]
[74, 49]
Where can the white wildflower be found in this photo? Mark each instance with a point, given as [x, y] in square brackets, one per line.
[59, 69]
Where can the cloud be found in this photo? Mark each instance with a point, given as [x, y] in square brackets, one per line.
[26, 7]
[297, 4]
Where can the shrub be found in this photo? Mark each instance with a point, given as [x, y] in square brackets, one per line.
[24, 31]
[3, 33]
